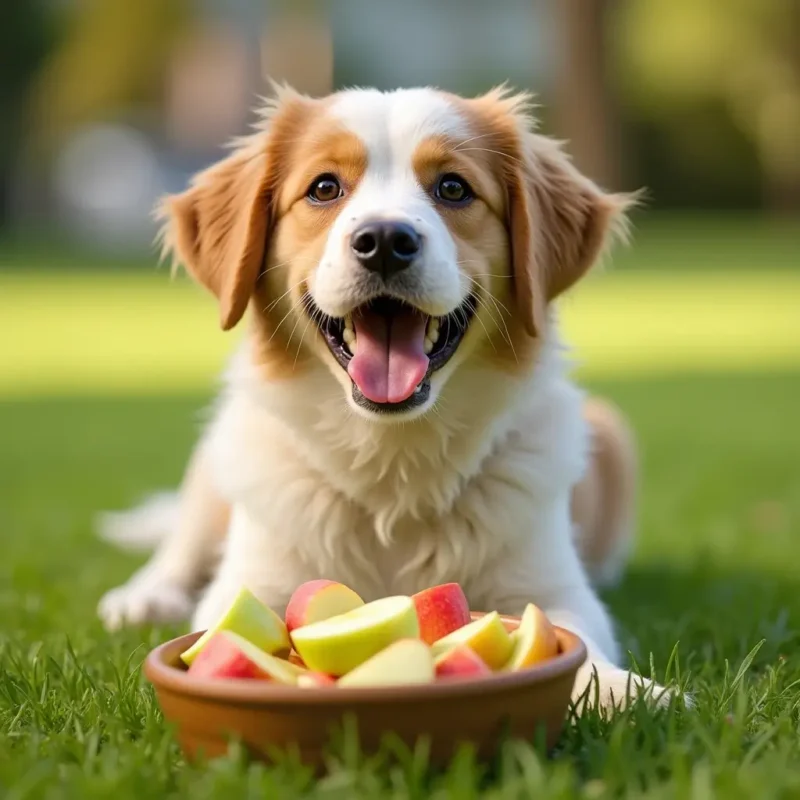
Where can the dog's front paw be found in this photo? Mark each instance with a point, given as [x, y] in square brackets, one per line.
[147, 598]
[612, 688]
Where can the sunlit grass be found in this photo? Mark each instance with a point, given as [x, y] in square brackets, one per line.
[138, 332]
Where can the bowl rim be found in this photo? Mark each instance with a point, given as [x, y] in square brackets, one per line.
[247, 692]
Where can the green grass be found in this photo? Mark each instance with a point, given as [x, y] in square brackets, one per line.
[708, 369]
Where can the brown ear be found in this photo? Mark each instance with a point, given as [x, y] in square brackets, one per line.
[560, 223]
[218, 227]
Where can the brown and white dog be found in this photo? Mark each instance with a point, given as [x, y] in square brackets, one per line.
[400, 413]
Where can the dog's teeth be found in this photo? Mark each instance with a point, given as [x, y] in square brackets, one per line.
[433, 336]
[428, 346]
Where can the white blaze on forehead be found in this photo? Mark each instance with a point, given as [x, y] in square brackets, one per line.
[393, 124]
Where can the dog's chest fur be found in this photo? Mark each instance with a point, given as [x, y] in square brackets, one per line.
[394, 508]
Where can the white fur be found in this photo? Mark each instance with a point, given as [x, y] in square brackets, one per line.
[475, 491]
[392, 126]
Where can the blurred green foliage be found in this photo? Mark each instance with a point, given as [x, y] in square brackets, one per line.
[711, 89]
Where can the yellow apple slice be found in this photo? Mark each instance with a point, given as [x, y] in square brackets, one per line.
[339, 644]
[404, 662]
[534, 640]
[248, 617]
[486, 636]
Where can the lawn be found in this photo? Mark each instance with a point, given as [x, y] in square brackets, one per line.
[103, 378]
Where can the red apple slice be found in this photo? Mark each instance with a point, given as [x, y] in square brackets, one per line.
[441, 610]
[460, 662]
[315, 601]
[228, 655]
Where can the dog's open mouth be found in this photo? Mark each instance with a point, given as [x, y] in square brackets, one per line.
[390, 349]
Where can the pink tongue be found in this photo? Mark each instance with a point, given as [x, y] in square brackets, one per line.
[390, 359]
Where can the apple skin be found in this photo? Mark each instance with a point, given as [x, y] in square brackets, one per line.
[407, 661]
[339, 644]
[460, 662]
[248, 617]
[315, 680]
[534, 640]
[228, 655]
[441, 610]
[487, 636]
[315, 601]
[294, 658]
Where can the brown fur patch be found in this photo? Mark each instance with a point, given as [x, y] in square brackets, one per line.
[285, 336]
[558, 220]
[245, 231]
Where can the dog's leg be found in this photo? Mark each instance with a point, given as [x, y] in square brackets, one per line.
[165, 589]
[549, 573]
[604, 502]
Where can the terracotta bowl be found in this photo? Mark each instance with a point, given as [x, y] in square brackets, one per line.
[265, 716]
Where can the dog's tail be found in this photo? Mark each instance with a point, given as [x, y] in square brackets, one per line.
[143, 527]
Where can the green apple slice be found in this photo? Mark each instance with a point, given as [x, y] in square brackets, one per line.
[248, 617]
[404, 662]
[339, 644]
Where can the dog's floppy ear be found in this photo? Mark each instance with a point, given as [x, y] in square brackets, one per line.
[218, 228]
[559, 222]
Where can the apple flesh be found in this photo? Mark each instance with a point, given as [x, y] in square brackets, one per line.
[486, 636]
[248, 617]
[315, 601]
[228, 655]
[441, 610]
[533, 641]
[339, 644]
[460, 662]
[407, 661]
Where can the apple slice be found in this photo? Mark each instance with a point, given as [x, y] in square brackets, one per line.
[251, 619]
[315, 680]
[406, 661]
[534, 640]
[441, 610]
[315, 601]
[228, 655]
[460, 662]
[339, 644]
[486, 636]
[294, 658]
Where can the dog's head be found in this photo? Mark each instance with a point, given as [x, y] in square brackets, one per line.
[394, 236]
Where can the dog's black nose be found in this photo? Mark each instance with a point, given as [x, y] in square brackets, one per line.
[385, 247]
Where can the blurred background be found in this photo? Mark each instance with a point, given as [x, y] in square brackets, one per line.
[105, 363]
[108, 103]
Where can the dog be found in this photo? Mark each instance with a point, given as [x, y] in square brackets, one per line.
[400, 413]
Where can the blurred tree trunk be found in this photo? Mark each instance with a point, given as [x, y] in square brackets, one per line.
[25, 35]
[586, 114]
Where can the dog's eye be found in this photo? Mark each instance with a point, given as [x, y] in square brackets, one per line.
[324, 189]
[453, 189]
